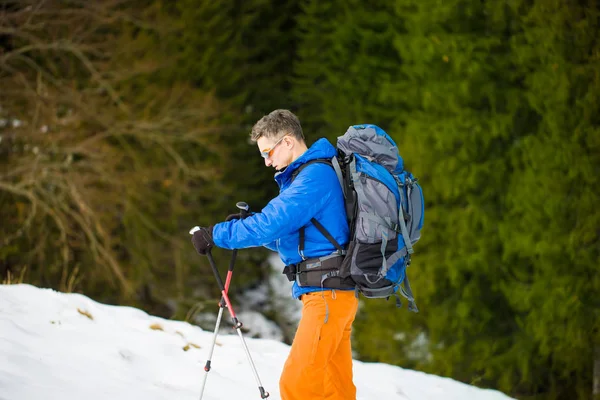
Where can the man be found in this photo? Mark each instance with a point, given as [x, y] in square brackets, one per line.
[319, 365]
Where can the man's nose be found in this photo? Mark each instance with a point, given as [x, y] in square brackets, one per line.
[268, 162]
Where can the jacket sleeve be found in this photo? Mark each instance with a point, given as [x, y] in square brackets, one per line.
[271, 246]
[286, 213]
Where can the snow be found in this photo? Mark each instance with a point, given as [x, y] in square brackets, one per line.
[66, 346]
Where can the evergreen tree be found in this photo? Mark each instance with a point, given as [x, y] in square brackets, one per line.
[452, 133]
[550, 231]
[346, 56]
[479, 97]
[244, 53]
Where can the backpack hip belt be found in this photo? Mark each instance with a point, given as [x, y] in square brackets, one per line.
[319, 272]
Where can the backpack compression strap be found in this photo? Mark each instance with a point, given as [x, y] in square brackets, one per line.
[401, 219]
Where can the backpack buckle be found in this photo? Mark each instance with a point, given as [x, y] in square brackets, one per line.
[290, 272]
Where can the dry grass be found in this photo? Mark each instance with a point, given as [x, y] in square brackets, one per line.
[189, 345]
[156, 327]
[87, 158]
[13, 280]
[86, 313]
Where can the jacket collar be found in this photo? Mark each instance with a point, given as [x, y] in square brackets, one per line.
[320, 149]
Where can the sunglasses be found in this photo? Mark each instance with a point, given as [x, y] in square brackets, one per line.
[267, 153]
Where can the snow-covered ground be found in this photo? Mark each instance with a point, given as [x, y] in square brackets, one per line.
[69, 347]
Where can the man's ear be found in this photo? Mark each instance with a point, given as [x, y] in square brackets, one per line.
[290, 141]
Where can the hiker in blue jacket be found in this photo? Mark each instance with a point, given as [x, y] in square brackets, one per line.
[319, 365]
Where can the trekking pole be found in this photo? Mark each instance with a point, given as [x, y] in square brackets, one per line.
[243, 212]
[225, 302]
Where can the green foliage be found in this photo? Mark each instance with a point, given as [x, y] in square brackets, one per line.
[241, 49]
[553, 199]
[244, 53]
[344, 59]
[498, 117]
[454, 141]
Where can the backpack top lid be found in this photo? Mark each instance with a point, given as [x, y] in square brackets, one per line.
[373, 143]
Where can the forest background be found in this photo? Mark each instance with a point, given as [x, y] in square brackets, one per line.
[125, 123]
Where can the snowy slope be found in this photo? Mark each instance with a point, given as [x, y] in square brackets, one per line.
[69, 347]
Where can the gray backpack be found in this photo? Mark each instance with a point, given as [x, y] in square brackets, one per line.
[385, 211]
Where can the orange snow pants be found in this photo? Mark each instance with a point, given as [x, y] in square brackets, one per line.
[319, 366]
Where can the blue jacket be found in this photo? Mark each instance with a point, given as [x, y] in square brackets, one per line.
[315, 192]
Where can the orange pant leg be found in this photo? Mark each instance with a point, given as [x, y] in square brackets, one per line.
[319, 365]
[338, 375]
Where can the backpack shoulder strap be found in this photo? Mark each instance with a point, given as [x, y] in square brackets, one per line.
[333, 162]
[326, 233]
[306, 164]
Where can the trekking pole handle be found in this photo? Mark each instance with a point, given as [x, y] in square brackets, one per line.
[244, 208]
[194, 230]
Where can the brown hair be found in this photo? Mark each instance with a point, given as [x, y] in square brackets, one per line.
[277, 123]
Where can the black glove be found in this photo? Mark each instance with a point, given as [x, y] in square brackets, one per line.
[202, 240]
